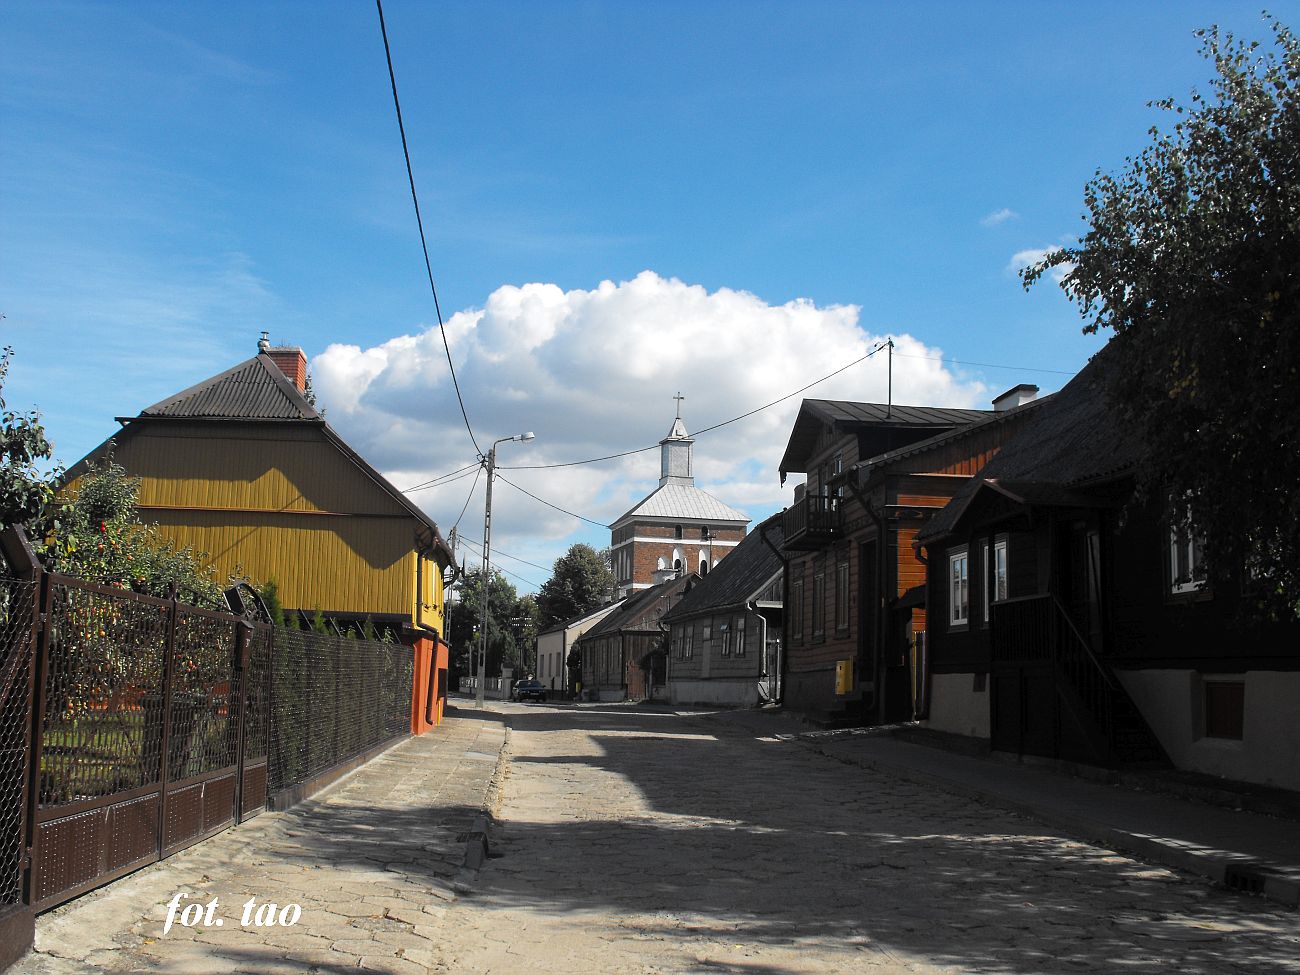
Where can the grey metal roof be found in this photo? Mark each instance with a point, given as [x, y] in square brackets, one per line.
[895, 423]
[255, 389]
[684, 501]
[747, 570]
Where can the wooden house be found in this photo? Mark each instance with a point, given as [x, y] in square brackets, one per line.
[855, 594]
[1072, 622]
[724, 636]
[623, 654]
[243, 467]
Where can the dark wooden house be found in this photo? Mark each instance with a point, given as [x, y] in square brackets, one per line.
[724, 636]
[1069, 621]
[623, 655]
[855, 595]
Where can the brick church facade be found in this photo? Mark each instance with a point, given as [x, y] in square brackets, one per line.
[677, 528]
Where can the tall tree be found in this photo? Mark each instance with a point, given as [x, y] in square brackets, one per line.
[25, 490]
[1190, 259]
[463, 623]
[580, 582]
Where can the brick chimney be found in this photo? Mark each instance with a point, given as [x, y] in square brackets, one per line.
[292, 362]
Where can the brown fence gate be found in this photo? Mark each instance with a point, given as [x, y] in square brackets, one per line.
[151, 721]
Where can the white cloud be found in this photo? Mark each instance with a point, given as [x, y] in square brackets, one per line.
[998, 217]
[593, 372]
[1032, 255]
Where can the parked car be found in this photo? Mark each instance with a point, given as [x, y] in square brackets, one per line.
[529, 689]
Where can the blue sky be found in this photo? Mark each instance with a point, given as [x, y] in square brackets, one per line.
[768, 189]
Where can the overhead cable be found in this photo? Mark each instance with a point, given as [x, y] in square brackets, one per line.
[442, 479]
[641, 450]
[419, 222]
[572, 514]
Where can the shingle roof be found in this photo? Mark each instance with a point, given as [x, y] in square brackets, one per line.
[255, 389]
[747, 570]
[683, 501]
[1074, 441]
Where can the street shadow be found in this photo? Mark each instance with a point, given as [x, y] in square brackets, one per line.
[762, 842]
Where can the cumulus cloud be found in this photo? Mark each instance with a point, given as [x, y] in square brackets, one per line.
[594, 372]
[998, 217]
[1032, 255]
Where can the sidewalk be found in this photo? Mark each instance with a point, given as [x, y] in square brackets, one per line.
[1247, 851]
[372, 862]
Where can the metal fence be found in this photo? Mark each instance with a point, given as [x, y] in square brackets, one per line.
[132, 727]
[333, 701]
[17, 627]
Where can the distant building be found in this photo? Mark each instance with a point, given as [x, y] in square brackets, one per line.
[677, 528]
[623, 655]
[553, 647]
[724, 636]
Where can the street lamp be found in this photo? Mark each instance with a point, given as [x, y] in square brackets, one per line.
[491, 461]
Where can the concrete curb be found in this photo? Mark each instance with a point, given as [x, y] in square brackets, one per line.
[478, 839]
[1276, 882]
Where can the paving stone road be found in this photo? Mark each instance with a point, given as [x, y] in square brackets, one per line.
[630, 840]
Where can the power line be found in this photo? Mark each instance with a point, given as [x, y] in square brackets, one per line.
[442, 478]
[514, 558]
[795, 393]
[641, 450]
[478, 547]
[472, 488]
[419, 222]
[983, 365]
[572, 514]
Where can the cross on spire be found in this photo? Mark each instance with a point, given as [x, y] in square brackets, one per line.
[679, 397]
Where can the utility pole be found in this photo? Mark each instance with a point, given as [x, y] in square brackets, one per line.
[491, 461]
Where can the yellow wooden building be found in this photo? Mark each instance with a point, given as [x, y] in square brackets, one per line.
[241, 466]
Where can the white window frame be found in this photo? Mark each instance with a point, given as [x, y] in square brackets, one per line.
[959, 588]
[1184, 542]
[740, 636]
[1001, 570]
[985, 578]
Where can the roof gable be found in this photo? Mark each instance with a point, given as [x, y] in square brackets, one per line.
[255, 389]
[880, 426]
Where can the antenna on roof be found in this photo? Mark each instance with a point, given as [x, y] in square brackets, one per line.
[889, 395]
[264, 343]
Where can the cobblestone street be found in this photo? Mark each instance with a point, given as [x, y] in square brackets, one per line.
[631, 840]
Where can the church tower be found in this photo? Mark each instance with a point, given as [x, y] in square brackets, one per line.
[677, 528]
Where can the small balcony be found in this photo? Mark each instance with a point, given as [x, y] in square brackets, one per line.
[812, 522]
